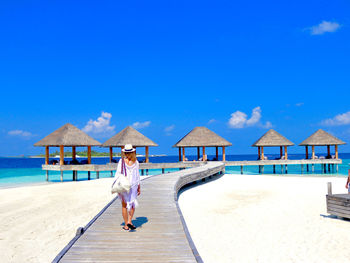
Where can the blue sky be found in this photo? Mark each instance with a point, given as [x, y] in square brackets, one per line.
[238, 68]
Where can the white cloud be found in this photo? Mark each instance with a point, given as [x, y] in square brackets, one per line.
[169, 128]
[324, 27]
[140, 125]
[299, 104]
[340, 119]
[20, 133]
[240, 120]
[211, 121]
[101, 125]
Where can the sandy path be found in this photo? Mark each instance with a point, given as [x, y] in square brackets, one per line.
[249, 218]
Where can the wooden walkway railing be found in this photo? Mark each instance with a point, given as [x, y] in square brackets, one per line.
[161, 234]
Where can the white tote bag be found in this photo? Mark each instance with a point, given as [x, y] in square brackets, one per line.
[121, 183]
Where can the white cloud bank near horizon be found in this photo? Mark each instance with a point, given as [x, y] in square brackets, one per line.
[240, 120]
[20, 133]
[101, 126]
[338, 120]
[324, 27]
[141, 125]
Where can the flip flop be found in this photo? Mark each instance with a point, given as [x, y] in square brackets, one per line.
[125, 228]
[132, 227]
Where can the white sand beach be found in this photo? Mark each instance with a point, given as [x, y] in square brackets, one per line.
[259, 218]
[36, 222]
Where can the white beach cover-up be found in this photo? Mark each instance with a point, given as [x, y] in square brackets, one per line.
[133, 175]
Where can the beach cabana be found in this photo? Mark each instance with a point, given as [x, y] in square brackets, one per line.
[129, 136]
[67, 136]
[321, 138]
[202, 137]
[272, 139]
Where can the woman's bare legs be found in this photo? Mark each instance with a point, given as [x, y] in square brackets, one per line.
[125, 215]
[131, 214]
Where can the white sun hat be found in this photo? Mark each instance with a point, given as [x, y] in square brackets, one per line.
[128, 148]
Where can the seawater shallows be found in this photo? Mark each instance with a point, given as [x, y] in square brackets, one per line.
[20, 171]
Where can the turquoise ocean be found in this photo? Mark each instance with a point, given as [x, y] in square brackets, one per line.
[21, 171]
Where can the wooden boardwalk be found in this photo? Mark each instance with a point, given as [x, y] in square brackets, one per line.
[161, 234]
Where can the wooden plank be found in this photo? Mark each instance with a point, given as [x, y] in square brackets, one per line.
[61, 155]
[161, 236]
[47, 154]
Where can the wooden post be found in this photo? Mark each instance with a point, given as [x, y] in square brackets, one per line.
[110, 154]
[262, 169]
[111, 173]
[89, 154]
[162, 170]
[259, 156]
[47, 155]
[204, 156]
[89, 175]
[121, 152]
[307, 152]
[241, 169]
[217, 153]
[286, 168]
[336, 151]
[328, 150]
[74, 155]
[179, 154]
[183, 154]
[285, 153]
[147, 157]
[262, 153]
[61, 176]
[313, 151]
[61, 155]
[313, 168]
[97, 175]
[302, 168]
[198, 153]
[274, 169]
[223, 154]
[47, 175]
[281, 152]
[329, 186]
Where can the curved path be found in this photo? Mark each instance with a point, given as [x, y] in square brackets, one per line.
[161, 234]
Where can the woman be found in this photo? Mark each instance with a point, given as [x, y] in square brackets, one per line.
[129, 200]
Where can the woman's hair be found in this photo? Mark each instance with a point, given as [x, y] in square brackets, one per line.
[133, 155]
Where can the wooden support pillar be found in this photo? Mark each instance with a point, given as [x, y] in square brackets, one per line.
[302, 168]
[142, 172]
[262, 153]
[162, 170]
[307, 168]
[61, 155]
[204, 156]
[223, 154]
[282, 169]
[274, 169]
[281, 152]
[241, 169]
[110, 154]
[329, 188]
[97, 175]
[47, 154]
[306, 152]
[147, 154]
[111, 173]
[328, 150]
[285, 153]
[47, 175]
[336, 151]
[89, 175]
[61, 176]
[329, 168]
[286, 168]
[217, 153]
[262, 169]
[74, 155]
[183, 154]
[313, 151]
[89, 154]
[146, 171]
[337, 168]
[180, 154]
[313, 168]
[259, 155]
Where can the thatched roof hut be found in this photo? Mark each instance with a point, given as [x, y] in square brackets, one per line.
[67, 136]
[272, 139]
[201, 137]
[321, 138]
[129, 136]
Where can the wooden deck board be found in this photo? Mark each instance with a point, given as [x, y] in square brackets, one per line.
[160, 235]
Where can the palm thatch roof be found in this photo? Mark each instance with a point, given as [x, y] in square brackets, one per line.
[129, 136]
[202, 136]
[321, 138]
[272, 138]
[68, 135]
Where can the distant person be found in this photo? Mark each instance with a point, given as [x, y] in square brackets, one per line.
[347, 186]
[129, 200]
